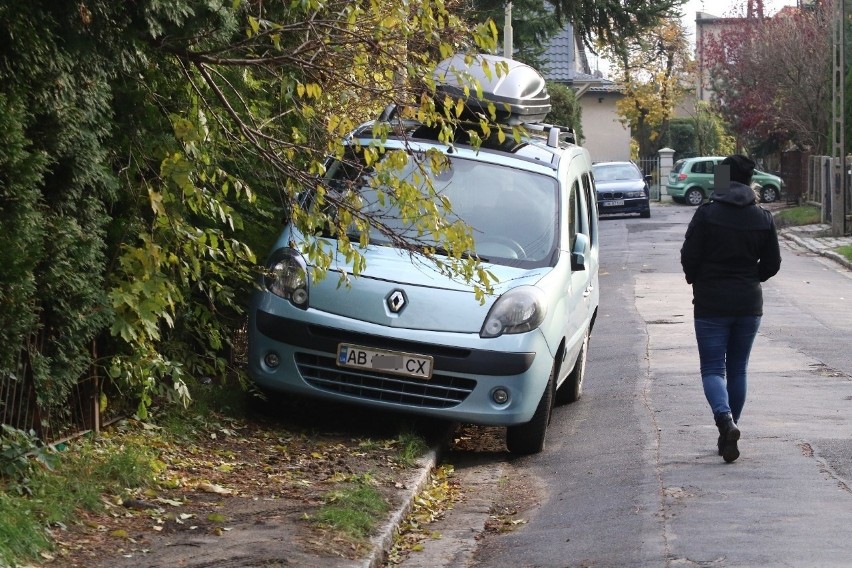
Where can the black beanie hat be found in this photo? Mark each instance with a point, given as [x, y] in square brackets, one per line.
[742, 168]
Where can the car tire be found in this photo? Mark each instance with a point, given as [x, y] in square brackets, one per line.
[528, 438]
[645, 214]
[768, 194]
[694, 197]
[572, 388]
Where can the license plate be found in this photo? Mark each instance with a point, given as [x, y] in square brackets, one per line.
[613, 203]
[407, 364]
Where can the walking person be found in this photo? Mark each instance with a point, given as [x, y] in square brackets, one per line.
[731, 246]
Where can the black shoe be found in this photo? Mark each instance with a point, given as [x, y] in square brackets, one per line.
[729, 434]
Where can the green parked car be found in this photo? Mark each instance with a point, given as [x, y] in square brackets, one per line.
[691, 181]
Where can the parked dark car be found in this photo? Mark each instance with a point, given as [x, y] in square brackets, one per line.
[622, 189]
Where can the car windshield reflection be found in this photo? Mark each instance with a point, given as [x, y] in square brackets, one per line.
[513, 214]
[616, 173]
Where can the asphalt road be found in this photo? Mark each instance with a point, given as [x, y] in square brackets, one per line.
[630, 475]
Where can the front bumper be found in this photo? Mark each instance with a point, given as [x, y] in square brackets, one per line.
[467, 369]
[633, 205]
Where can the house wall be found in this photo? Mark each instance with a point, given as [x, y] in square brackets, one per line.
[606, 138]
[707, 29]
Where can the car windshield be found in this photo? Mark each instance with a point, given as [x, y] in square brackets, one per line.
[513, 214]
[615, 172]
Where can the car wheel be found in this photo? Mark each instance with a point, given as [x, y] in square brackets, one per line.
[572, 388]
[694, 196]
[768, 194]
[645, 214]
[529, 438]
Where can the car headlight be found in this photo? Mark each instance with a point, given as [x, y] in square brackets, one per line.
[518, 310]
[287, 277]
[634, 194]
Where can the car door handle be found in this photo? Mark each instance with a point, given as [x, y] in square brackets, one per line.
[588, 291]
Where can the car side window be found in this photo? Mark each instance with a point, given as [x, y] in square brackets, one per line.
[580, 222]
[574, 219]
[704, 167]
[591, 200]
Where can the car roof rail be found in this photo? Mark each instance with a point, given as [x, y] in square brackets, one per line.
[555, 133]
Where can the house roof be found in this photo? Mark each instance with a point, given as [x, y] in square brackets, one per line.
[560, 56]
[564, 56]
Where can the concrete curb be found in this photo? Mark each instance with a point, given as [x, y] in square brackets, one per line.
[383, 542]
[804, 242]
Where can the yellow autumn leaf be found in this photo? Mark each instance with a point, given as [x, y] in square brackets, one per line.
[216, 518]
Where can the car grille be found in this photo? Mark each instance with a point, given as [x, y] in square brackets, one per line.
[441, 391]
[612, 195]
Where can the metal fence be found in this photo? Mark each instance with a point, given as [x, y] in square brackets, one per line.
[22, 407]
[823, 174]
[651, 166]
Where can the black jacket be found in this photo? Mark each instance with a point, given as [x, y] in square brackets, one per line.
[731, 246]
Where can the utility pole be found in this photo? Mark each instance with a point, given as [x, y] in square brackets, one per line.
[507, 32]
[838, 192]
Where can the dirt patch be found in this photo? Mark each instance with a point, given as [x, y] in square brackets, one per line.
[245, 493]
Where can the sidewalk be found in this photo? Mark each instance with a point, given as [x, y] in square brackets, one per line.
[815, 238]
[811, 237]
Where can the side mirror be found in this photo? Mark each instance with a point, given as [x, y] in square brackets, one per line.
[649, 178]
[581, 248]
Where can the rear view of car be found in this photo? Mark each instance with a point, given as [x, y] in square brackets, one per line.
[622, 189]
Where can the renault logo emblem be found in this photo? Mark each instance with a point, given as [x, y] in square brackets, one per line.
[396, 301]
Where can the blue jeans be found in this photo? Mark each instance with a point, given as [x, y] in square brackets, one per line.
[724, 346]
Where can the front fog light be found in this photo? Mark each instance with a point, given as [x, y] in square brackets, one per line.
[272, 360]
[500, 395]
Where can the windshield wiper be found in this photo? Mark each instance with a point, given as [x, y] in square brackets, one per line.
[466, 254]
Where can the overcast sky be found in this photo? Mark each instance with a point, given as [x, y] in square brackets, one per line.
[725, 8]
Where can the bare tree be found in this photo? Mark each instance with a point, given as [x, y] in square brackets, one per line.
[772, 78]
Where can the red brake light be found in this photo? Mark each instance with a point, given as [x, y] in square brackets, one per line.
[681, 177]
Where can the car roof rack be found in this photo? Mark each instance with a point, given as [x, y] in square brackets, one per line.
[555, 133]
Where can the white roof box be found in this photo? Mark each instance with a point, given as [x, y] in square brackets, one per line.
[519, 94]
